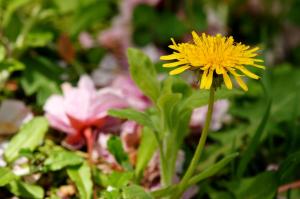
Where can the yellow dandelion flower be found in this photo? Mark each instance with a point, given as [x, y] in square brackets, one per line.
[214, 56]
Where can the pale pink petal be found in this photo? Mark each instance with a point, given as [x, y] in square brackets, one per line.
[59, 124]
[56, 115]
[66, 87]
[105, 100]
[86, 83]
[135, 98]
[86, 40]
[78, 103]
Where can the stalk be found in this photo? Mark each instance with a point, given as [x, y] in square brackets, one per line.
[191, 169]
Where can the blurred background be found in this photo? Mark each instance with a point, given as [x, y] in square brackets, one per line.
[46, 43]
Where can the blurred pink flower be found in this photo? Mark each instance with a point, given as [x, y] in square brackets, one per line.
[134, 97]
[81, 107]
[118, 35]
[117, 38]
[86, 40]
[13, 113]
[219, 115]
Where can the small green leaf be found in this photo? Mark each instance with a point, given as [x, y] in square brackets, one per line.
[6, 176]
[38, 39]
[115, 180]
[167, 103]
[11, 65]
[212, 170]
[135, 192]
[120, 179]
[81, 176]
[115, 147]
[131, 114]
[143, 73]
[29, 137]
[61, 158]
[146, 150]
[25, 190]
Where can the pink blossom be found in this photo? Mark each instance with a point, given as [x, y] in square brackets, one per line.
[219, 115]
[118, 37]
[86, 40]
[13, 113]
[131, 92]
[81, 107]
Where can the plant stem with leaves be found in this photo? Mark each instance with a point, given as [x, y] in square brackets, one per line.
[191, 169]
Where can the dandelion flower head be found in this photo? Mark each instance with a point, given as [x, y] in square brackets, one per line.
[214, 56]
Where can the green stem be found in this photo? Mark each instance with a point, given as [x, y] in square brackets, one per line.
[191, 169]
[163, 171]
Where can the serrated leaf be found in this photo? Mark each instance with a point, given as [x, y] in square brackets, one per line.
[82, 177]
[29, 137]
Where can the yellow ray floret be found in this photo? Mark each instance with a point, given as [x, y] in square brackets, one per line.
[214, 55]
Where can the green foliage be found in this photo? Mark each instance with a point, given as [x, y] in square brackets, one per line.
[132, 114]
[249, 152]
[143, 73]
[30, 136]
[211, 171]
[169, 120]
[289, 167]
[135, 192]
[115, 147]
[81, 176]
[2, 53]
[6, 176]
[25, 190]
[31, 70]
[60, 158]
[41, 77]
[151, 25]
[263, 185]
[146, 150]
